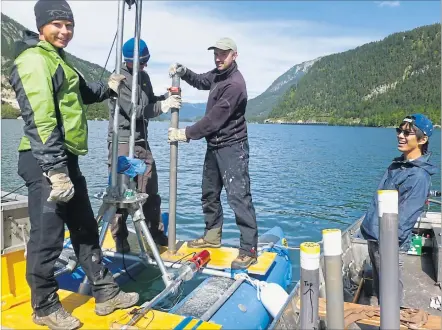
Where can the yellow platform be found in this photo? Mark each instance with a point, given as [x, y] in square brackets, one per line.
[82, 307]
[17, 312]
[220, 258]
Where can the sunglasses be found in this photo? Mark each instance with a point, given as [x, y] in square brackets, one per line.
[406, 132]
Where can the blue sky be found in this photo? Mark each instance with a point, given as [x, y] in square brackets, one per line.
[377, 16]
[272, 36]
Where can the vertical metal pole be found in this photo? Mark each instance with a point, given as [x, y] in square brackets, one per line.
[136, 67]
[334, 285]
[114, 160]
[310, 254]
[388, 206]
[173, 172]
[84, 287]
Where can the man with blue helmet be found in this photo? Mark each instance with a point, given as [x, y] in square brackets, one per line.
[410, 174]
[148, 106]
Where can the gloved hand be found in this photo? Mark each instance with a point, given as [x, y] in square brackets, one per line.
[173, 101]
[161, 226]
[178, 69]
[62, 187]
[115, 81]
[177, 134]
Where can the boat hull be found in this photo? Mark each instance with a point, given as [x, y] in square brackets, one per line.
[243, 309]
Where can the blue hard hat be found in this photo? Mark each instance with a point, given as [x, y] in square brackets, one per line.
[128, 51]
[422, 122]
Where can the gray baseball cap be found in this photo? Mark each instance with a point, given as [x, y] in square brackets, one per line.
[224, 44]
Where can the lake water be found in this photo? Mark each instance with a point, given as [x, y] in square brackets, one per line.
[303, 178]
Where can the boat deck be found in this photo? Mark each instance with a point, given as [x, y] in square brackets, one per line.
[433, 322]
[420, 283]
[220, 258]
[82, 307]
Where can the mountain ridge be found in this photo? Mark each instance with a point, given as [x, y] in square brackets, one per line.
[259, 107]
[375, 84]
[11, 32]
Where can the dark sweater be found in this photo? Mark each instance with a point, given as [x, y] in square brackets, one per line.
[148, 107]
[223, 123]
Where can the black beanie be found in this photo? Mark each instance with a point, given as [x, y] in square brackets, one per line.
[51, 10]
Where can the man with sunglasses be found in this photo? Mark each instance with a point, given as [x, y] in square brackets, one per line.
[410, 174]
[148, 106]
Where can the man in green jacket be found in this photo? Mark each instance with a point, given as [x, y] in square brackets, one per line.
[52, 94]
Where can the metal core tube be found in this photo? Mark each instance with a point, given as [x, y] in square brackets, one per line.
[334, 284]
[117, 110]
[173, 173]
[136, 67]
[389, 253]
[310, 254]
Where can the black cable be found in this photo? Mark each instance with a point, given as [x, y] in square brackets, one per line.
[124, 264]
[108, 55]
[124, 267]
[153, 316]
[107, 60]
[192, 253]
[14, 190]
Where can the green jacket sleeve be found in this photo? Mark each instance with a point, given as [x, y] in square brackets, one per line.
[32, 82]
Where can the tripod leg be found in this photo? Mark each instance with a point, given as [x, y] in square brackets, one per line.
[101, 211]
[138, 218]
[141, 242]
[107, 218]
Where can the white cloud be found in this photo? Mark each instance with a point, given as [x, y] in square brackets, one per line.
[388, 3]
[267, 48]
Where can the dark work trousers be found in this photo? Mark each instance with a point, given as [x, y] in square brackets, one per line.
[229, 167]
[375, 258]
[147, 183]
[47, 236]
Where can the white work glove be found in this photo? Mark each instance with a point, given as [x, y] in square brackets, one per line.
[161, 226]
[173, 101]
[62, 187]
[177, 134]
[114, 81]
[178, 69]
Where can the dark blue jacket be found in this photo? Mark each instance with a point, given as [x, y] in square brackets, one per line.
[223, 123]
[412, 179]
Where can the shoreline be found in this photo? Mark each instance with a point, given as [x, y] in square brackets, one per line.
[436, 126]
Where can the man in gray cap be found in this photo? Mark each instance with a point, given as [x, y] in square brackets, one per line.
[227, 156]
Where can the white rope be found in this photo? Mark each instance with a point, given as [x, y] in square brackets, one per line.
[284, 247]
[24, 238]
[257, 284]
[435, 302]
